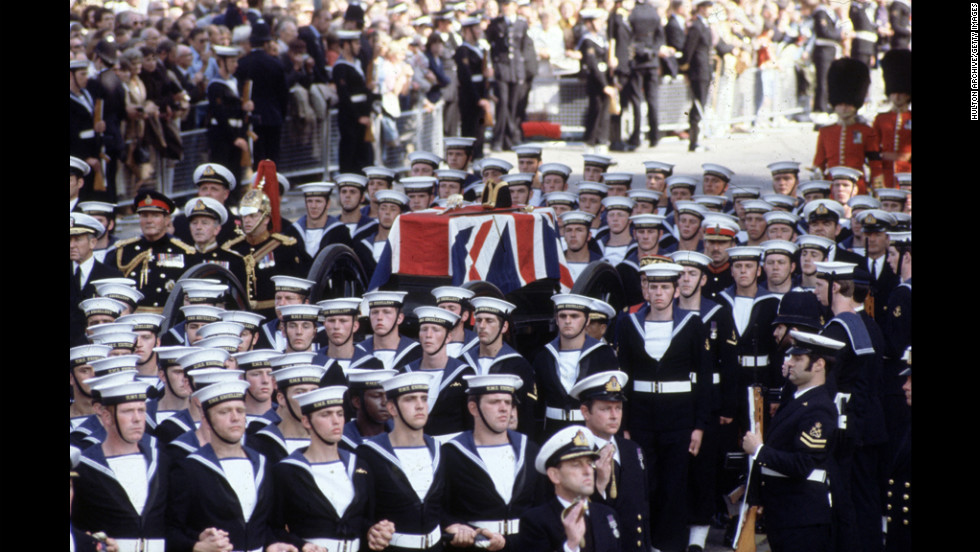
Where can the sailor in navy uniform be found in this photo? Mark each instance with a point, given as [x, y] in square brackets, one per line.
[406, 472]
[826, 48]
[457, 301]
[80, 370]
[647, 228]
[779, 265]
[447, 398]
[213, 181]
[276, 441]
[299, 325]
[199, 434]
[354, 109]
[782, 225]
[147, 328]
[786, 180]
[367, 400]
[875, 225]
[598, 81]
[898, 490]
[897, 328]
[257, 367]
[249, 321]
[226, 113]
[340, 324]
[493, 479]
[793, 459]
[196, 293]
[316, 229]
[351, 190]
[82, 143]
[579, 253]
[387, 348]
[618, 242]
[79, 541]
[206, 235]
[865, 40]
[320, 494]
[391, 203]
[472, 68]
[719, 236]
[194, 361]
[154, 259]
[823, 218]
[571, 356]
[568, 521]
[222, 493]
[83, 232]
[109, 371]
[668, 351]
[621, 472]
[688, 218]
[175, 385]
[288, 290]
[122, 488]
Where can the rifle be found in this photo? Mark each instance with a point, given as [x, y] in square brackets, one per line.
[487, 109]
[368, 77]
[744, 539]
[99, 183]
[250, 135]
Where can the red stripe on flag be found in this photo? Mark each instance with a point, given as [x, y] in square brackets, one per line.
[481, 238]
[524, 227]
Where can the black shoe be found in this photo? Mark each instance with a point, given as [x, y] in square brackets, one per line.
[618, 146]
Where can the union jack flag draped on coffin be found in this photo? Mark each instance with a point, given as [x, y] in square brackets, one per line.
[507, 249]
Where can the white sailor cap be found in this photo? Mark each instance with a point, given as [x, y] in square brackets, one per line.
[347, 34]
[133, 391]
[119, 292]
[715, 202]
[206, 377]
[518, 179]
[169, 355]
[385, 298]
[416, 184]
[571, 301]
[903, 221]
[391, 196]
[220, 392]
[437, 316]
[493, 383]
[805, 343]
[351, 179]
[863, 202]
[662, 272]
[783, 247]
[528, 150]
[98, 383]
[719, 228]
[814, 187]
[409, 382]
[647, 220]
[255, 359]
[80, 223]
[283, 183]
[876, 220]
[783, 167]
[143, 321]
[897, 195]
[426, 157]
[823, 208]
[780, 200]
[646, 196]
[459, 142]
[452, 175]
[216, 173]
[597, 160]
[595, 188]
[97, 208]
[292, 359]
[451, 294]
[342, 306]
[296, 313]
[691, 258]
[321, 398]
[301, 286]
[781, 217]
[206, 206]
[904, 179]
[380, 173]
[361, 378]
[560, 169]
[317, 189]
[602, 386]
[495, 163]
[665, 169]
[249, 320]
[845, 173]
[900, 238]
[301, 374]
[422, 20]
[76, 165]
[618, 202]
[617, 179]
[678, 181]
[203, 358]
[745, 192]
[114, 364]
[720, 171]
[756, 206]
[219, 328]
[226, 51]
[492, 305]
[85, 354]
[102, 305]
[577, 217]
[601, 311]
[691, 208]
[810, 241]
[112, 327]
[471, 20]
[229, 343]
[561, 198]
[835, 270]
[568, 443]
[201, 313]
[745, 253]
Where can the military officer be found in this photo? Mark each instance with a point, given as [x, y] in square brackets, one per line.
[227, 137]
[598, 82]
[473, 71]
[214, 181]
[206, 220]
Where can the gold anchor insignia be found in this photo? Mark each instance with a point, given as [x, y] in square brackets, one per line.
[579, 440]
[870, 219]
[200, 206]
[613, 386]
[209, 171]
[821, 209]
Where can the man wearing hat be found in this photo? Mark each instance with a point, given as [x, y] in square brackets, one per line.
[105, 213]
[206, 218]
[147, 327]
[320, 496]
[351, 189]
[106, 85]
[823, 218]
[79, 370]
[176, 386]
[719, 236]
[850, 142]
[457, 301]
[647, 230]
[786, 179]
[420, 190]
[696, 63]
[894, 127]
[617, 242]
[340, 323]
[473, 72]
[781, 225]
[875, 225]
[386, 348]
[779, 265]
[793, 460]
[798, 310]
[289, 290]
[896, 325]
[491, 320]
[688, 231]
[571, 356]
[405, 466]
[621, 472]
[378, 178]
[214, 181]
[460, 151]
[813, 249]
[221, 494]
[354, 108]
[507, 35]
[657, 173]
[447, 399]
[316, 229]
[367, 398]
[193, 362]
[299, 327]
[83, 148]
[569, 521]
[227, 113]
[122, 485]
[391, 204]
[493, 480]
[154, 259]
[277, 440]
[269, 92]
[85, 268]
[599, 86]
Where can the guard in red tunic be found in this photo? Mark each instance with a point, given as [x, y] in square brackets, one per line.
[894, 127]
[850, 142]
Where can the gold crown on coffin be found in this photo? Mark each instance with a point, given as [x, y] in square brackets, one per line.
[580, 440]
[613, 386]
[257, 199]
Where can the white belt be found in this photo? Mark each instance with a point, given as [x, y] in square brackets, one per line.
[867, 36]
[715, 378]
[826, 42]
[335, 545]
[502, 527]
[563, 415]
[818, 475]
[841, 400]
[477, 78]
[662, 386]
[86, 134]
[235, 123]
[141, 545]
[418, 542]
[358, 98]
[753, 361]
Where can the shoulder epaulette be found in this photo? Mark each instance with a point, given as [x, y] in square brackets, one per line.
[227, 245]
[187, 248]
[123, 243]
[286, 240]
